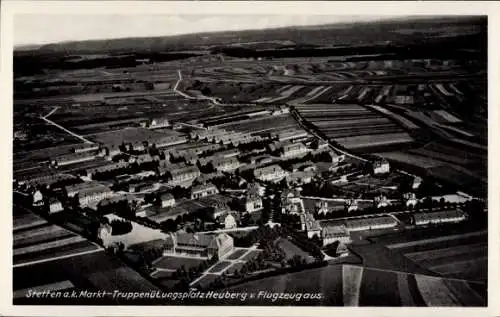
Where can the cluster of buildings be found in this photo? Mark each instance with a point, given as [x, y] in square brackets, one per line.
[222, 136]
[89, 192]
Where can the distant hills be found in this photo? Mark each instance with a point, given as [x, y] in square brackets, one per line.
[418, 28]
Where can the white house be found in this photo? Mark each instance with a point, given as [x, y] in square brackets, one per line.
[167, 200]
[229, 221]
[351, 205]
[203, 191]
[37, 198]
[331, 234]
[293, 150]
[253, 202]
[270, 173]
[381, 167]
[380, 201]
[55, 206]
[310, 225]
[410, 199]
[416, 182]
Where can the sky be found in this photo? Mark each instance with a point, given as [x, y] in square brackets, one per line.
[53, 28]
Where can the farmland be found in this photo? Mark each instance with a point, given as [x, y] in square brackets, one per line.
[37, 240]
[347, 285]
[173, 263]
[353, 126]
[411, 92]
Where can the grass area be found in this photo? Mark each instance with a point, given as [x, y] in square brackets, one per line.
[64, 250]
[326, 281]
[251, 255]
[236, 254]
[173, 263]
[219, 267]
[291, 250]
[379, 288]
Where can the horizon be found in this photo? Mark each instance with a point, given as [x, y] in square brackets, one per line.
[39, 30]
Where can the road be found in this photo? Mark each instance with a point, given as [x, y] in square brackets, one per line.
[50, 113]
[213, 100]
[100, 249]
[66, 130]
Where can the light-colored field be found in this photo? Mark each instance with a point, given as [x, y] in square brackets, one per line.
[404, 290]
[438, 239]
[447, 116]
[374, 140]
[351, 284]
[434, 292]
[410, 159]
[48, 245]
[407, 123]
[435, 254]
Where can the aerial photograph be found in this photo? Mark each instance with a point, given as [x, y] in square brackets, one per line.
[231, 160]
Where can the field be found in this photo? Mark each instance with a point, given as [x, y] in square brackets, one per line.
[34, 239]
[236, 254]
[348, 285]
[261, 124]
[458, 256]
[252, 254]
[291, 250]
[354, 126]
[173, 263]
[219, 267]
[94, 271]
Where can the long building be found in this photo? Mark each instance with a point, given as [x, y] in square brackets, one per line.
[446, 216]
[371, 223]
[270, 173]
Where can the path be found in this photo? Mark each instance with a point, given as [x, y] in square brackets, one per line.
[67, 131]
[50, 113]
[58, 257]
[233, 261]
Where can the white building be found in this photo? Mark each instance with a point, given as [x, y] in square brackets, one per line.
[351, 205]
[167, 200]
[381, 167]
[252, 202]
[199, 246]
[293, 150]
[380, 201]
[410, 199]
[225, 164]
[416, 182]
[270, 173]
[446, 216]
[331, 234]
[94, 195]
[371, 223]
[321, 207]
[229, 221]
[55, 206]
[310, 225]
[37, 198]
[203, 191]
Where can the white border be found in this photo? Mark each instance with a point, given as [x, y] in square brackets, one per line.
[9, 8]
